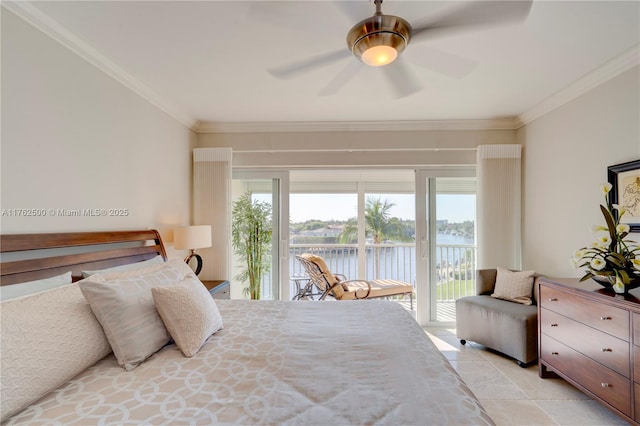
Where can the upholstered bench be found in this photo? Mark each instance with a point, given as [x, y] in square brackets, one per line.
[503, 325]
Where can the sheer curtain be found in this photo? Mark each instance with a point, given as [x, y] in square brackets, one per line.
[499, 206]
[212, 206]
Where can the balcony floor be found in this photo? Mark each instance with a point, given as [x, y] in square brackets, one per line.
[446, 309]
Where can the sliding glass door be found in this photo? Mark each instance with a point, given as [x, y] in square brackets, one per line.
[267, 191]
[445, 231]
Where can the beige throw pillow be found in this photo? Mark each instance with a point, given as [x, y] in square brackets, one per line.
[189, 313]
[182, 268]
[514, 286]
[128, 267]
[125, 309]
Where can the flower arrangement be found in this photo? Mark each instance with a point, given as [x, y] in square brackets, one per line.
[611, 257]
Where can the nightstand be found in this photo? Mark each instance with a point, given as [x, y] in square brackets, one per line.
[219, 289]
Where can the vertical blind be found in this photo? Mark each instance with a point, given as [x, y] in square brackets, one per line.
[212, 206]
[499, 206]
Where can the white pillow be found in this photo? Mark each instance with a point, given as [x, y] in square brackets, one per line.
[12, 291]
[47, 339]
[514, 286]
[129, 267]
[189, 313]
[125, 309]
[182, 268]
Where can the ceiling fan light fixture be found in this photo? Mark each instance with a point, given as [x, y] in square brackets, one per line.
[378, 40]
[378, 54]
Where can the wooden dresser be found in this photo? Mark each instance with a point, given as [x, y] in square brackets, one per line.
[590, 337]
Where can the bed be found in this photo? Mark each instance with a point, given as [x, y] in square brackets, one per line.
[269, 362]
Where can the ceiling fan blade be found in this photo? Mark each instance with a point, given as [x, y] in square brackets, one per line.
[342, 78]
[295, 68]
[470, 15]
[441, 62]
[404, 83]
[354, 11]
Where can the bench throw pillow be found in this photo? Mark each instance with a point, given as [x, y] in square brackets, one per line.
[189, 313]
[514, 286]
[48, 338]
[125, 309]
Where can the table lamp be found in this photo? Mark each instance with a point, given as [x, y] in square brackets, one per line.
[192, 238]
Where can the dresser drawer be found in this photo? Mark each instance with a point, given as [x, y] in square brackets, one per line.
[597, 345]
[606, 318]
[223, 293]
[636, 390]
[636, 364]
[636, 329]
[606, 384]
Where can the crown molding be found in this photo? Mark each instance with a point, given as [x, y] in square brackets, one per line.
[358, 126]
[38, 19]
[589, 81]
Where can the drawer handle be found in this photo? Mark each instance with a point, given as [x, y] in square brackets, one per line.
[555, 353]
[554, 325]
[605, 318]
[605, 385]
[607, 350]
[553, 299]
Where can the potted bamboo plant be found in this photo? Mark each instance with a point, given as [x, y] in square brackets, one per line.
[251, 240]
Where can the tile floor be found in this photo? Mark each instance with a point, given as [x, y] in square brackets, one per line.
[517, 396]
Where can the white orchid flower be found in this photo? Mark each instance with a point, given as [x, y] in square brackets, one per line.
[622, 228]
[597, 263]
[604, 240]
[621, 209]
[619, 285]
[636, 263]
[598, 228]
[579, 254]
[605, 188]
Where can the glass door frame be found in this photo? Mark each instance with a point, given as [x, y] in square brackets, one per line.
[424, 206]
[280, 236]
[426, 231]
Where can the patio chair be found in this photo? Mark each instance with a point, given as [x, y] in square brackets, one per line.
[337, 286]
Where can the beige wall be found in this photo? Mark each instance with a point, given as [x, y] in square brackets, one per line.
[73, 138]
[566, 156]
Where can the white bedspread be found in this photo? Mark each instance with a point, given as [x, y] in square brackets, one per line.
[347, 362]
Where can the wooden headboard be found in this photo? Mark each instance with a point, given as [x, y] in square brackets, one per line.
[46, 255]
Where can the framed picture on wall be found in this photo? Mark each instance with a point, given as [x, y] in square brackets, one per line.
[625, 191]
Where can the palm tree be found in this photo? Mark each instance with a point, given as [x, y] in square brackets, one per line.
[379, 226]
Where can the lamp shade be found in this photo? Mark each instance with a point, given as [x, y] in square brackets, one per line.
[192, 237]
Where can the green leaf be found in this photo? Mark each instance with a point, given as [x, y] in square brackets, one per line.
[586, 276]
[624, 276]
[610, 222]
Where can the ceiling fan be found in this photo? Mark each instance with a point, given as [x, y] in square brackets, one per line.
[380, 40]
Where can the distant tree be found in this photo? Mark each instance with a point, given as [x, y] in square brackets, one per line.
[311, 225]
[379, 226]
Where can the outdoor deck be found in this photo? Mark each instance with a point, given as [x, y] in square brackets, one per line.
[446, 309]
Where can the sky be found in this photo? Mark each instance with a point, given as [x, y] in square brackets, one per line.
[302, 207]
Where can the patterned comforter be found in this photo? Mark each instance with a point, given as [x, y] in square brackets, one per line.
[347, 362]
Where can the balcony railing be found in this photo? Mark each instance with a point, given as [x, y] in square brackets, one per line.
[454, 272]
